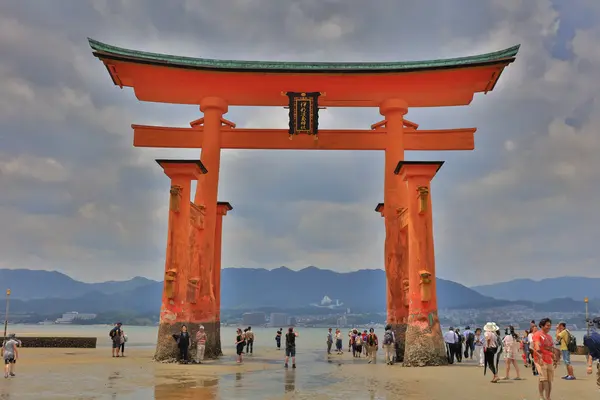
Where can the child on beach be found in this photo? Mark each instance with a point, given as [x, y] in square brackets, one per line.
[10, 355]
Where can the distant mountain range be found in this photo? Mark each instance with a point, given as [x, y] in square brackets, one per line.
[575, 288]
[51, 293]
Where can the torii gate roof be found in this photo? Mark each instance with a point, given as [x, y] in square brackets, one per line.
[186, 80]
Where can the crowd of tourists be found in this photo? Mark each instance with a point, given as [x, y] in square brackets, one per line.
[365, 343]
[540, 352]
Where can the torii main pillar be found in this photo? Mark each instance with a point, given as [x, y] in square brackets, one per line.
[222, 208]
[206, 196]
[424, 341]
[394, 199]
[179, 300]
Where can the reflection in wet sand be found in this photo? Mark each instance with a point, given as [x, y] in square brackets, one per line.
[290, 381]
[48, 374]
[202, 389]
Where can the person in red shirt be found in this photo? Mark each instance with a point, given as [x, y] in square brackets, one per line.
[543, 352]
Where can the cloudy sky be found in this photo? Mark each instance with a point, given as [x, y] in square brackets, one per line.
[75, 196]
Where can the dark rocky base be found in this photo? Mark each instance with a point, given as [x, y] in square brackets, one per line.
[425, 347]
[218, 348]
[166, 346]
[59, 342]
[400, 333]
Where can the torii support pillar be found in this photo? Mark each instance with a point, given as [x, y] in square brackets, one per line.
[424, 341]
[394, 198]
[222, 208]
[397, 283]
[179, 299]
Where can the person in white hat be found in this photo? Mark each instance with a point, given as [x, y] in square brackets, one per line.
[200, 344]
[490, 347]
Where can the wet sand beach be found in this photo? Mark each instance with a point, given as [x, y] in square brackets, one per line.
[94, 374]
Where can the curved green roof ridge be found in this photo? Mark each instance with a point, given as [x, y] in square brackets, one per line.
[206, 63]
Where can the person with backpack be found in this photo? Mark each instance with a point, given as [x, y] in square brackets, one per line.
[458, 346]
[290, 347]
[389, 340]
[469, 342]
[565, 339]
[364, 343]
[358, 343]
[115, 336]
[592, 342]
[10, 354]
[372, 346]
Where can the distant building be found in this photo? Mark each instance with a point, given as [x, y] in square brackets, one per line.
[254, 319]
[70, 317]
[342, 321]
[292, 321]
[278, 320]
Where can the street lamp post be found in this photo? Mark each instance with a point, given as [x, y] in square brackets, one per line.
[6, 313]
[587, 321]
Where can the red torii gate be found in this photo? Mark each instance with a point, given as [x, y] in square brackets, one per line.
[192, 269]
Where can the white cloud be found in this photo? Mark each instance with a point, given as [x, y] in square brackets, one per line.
[82, 200]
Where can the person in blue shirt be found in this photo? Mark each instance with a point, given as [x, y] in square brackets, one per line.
[592, 342]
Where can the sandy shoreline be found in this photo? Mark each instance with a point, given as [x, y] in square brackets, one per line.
[94, 374]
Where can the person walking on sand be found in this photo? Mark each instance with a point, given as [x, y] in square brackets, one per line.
[511, 347]
[592, 342]
[329, 341]
[525, 349]
[450, 338]
[372, 346]
[240, 343]
[459, 345]
[389, 340]
[469, 342]
[339, 341]
[115, 336]
[358, 344]
[364, 343]
[290, 347]
[200, 344]
[490, 348]
[543, 348]
[278, 338]
[249, 340]
[479, 342]
[532, 331]
[563, 336]
[10, 355]
[123, 341]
